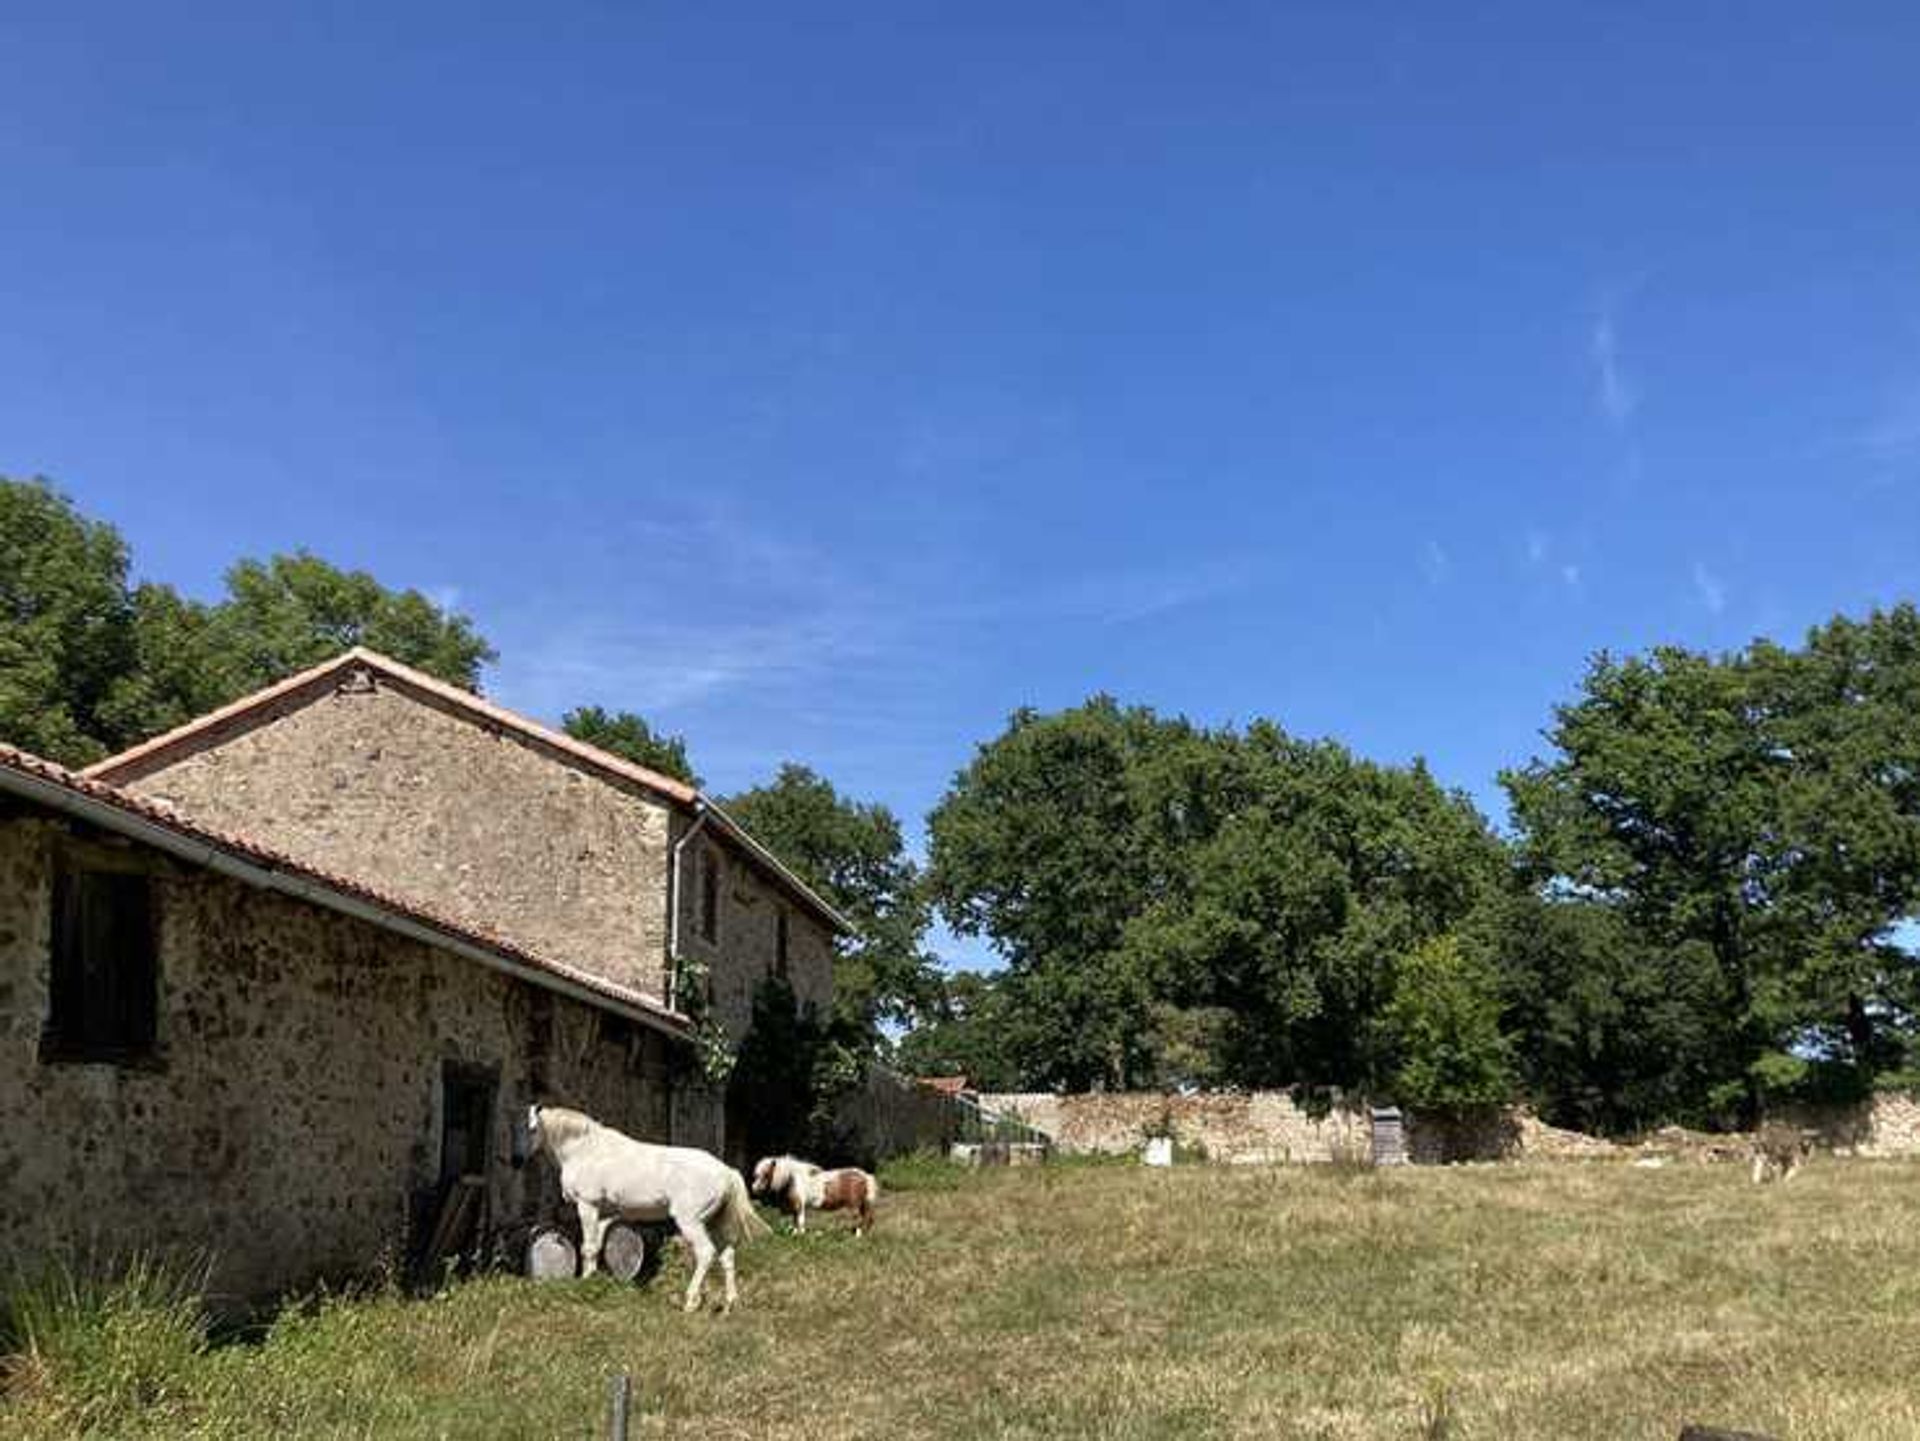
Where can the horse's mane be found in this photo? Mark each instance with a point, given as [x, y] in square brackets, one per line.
[564, 1124]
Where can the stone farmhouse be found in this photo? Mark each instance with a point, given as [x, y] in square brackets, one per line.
[271, 984]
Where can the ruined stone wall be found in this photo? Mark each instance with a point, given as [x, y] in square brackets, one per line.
[1888, 1124]
[1269, 1126]
[1249, 1127]
[293, 1107]
[372, 781]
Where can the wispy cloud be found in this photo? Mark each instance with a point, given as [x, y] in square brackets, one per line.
[660, 667]
[1615, 392]
[1709, 587]
[1123, 596]
[1434, 562]
[1540, 556]
[764, 620]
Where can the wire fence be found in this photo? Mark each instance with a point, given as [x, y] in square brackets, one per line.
[976, 1123]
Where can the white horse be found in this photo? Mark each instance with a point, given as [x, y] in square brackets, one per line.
[800, 1184]
[610, 1177]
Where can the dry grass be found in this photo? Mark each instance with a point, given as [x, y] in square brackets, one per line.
[1568, 1301]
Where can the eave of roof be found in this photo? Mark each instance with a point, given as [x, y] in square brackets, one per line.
[139, 819]
[149, 755]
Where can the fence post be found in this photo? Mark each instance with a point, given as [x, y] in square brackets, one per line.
[622, 1388]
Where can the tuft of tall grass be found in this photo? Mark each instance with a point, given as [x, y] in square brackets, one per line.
[91, 1345]
[926, 1169]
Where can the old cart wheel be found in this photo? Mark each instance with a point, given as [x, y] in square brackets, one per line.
[623, 1250]
[551, 1255]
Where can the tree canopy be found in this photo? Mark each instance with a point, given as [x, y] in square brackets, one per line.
[1182, 904]
[625, 734]
[854, 855]
[90, 664]
[1759, 811]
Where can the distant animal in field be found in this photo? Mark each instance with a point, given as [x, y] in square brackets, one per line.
[1778, 1152]
[609, 1176]
[800, 1186]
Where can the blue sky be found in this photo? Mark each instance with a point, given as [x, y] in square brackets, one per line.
[827, 386]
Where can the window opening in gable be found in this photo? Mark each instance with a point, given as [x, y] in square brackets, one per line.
[709, 896]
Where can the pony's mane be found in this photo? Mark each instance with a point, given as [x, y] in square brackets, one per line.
[788, 1169]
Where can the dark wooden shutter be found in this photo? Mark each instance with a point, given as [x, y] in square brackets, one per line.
[104, 973]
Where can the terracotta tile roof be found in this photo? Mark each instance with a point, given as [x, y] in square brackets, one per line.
[945, 1085]
[67, 790]
[150, 755]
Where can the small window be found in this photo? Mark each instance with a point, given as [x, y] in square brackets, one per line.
[709, 896]
[780, 944]
[101, 1005]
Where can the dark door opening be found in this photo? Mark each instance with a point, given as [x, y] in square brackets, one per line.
[466, 1120]
[456, 1222]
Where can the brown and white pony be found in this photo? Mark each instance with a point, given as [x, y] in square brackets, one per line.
[799, 1186]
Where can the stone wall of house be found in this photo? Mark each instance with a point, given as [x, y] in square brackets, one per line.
[745, 950]
[371, 780]
[292, 1111]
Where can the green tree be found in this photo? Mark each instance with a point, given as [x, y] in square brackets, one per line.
[854, 855]
[1762, 808]
[289, 612]
[1179, 903]
[625, 734]
[967, 1031]
[89, 665]
[180, 667]
[1444, 1021]
[1291, 913]
[1043, 845]
[1612, 1033]
[66, 624]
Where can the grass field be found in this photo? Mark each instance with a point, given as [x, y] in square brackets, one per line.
[1561, 1301]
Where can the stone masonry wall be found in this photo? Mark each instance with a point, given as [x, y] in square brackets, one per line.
[383, 785]
[745, 950]
[1258, 1126]
[743, 953]
[1269, 1126]
[294, 1104]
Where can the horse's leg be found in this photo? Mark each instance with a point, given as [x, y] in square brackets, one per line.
[726, 1272]
[593, 1228]
[695, 1235]
[800, 1216]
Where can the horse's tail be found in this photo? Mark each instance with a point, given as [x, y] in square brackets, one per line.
[736, 1220]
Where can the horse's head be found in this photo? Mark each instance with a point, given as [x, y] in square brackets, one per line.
[763, 1176]
[526, 1137]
